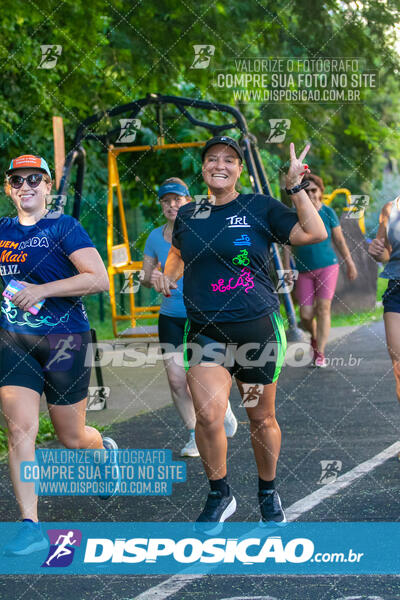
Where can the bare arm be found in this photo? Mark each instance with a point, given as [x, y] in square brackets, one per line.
[343, 249]
[172, 272]
[310, 229]
[340, 243]
[286, 258]
[379, 248]
[149, 264]
[91, 279]
[174, 266]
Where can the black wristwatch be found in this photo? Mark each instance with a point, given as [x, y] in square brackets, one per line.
[297, 188]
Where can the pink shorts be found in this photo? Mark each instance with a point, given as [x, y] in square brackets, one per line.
[320, 283]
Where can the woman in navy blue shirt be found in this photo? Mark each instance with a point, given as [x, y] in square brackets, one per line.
[234, 326]
[43, 349]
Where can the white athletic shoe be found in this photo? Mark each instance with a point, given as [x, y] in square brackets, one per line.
[110, 444]
[191, 448]
[230, 422]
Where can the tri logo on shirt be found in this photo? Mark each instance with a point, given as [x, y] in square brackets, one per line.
[236, 221]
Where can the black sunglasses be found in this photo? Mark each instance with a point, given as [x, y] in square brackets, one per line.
[33, 180]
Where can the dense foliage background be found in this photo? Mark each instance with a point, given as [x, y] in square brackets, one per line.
[116, 52]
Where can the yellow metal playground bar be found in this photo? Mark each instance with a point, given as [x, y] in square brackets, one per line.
[119, 255]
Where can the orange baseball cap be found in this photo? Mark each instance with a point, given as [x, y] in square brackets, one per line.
[29, 161]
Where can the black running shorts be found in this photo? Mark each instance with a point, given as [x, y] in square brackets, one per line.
[53, 364]
[252, 351]
[391, 297]
[171, 330]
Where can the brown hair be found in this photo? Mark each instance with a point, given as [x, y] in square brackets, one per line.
[177, 180]
[316, 179]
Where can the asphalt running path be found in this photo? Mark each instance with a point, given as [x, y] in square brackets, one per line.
[168, 588]
[345, 413]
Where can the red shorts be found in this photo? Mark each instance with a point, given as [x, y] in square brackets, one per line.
[320, 283]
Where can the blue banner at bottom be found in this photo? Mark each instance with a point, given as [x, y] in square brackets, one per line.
[233, 548]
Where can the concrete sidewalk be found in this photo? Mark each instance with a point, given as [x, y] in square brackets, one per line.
[140, 389]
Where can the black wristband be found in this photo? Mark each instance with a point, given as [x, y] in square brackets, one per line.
[297, 188]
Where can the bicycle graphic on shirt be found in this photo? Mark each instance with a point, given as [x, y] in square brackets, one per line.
[242, 258]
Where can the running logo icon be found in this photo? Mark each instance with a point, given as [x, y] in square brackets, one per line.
[203, 207]
[55, 205]
[62, 349]
[129, 129]
[50, 56]
[330, 469]
[97, 397]
[357, 207]
[62, 547]
[279, 129]
[287, 277]
[251, 395]
[202, 56]
[133, 279]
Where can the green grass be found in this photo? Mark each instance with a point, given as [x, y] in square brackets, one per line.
[363, 318]
[104, 330]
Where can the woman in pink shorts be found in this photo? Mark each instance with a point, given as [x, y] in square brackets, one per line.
[318, 269]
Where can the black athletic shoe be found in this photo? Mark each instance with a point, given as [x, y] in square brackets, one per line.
[110, 444]
[271, 509]
[218, 508]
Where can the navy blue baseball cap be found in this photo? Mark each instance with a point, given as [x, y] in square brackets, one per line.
[223, 139]
[173, 187]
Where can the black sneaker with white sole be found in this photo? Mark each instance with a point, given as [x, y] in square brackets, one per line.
[271, 508]
[110, 444]
[217, 509]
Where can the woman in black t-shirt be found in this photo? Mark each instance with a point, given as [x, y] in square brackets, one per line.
[234, 326]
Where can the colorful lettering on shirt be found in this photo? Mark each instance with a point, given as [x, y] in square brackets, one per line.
[242, 258]
[34, 241]
[245, 279]
[236, 221]
[9, 270]
[10, 312]
[244, 240]
[9, 256]
[8, 244]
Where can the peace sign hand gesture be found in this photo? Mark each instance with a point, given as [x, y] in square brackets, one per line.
[297, 169]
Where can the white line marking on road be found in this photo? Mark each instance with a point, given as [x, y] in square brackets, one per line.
[177, 582]
[168, 587]
[302, 506]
